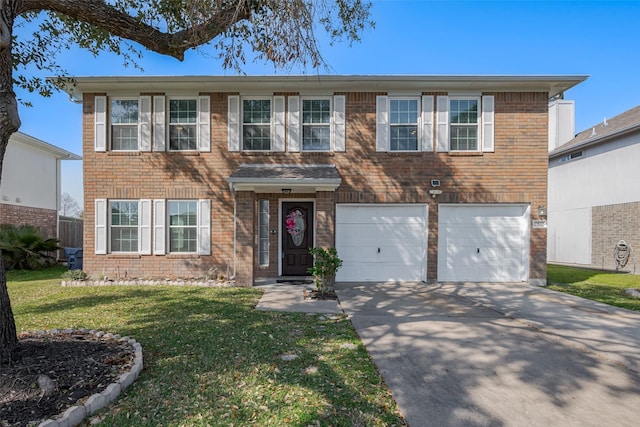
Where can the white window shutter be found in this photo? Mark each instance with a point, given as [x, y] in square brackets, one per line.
[427, 123]
[278, 124]
[204, 227]
[159, 121]
[204, 123]
[294, 124]
[100, 123]
[382, 123]
[233, 123]
[488, 123]
[339, 108]
[442, 135]
[144, 235]
[159, 219]
[144, 127]
[100, 226]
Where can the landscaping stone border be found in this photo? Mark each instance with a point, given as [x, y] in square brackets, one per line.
[76, 414]
[137, 282]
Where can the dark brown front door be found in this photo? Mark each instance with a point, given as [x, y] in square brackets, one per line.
[297, 238]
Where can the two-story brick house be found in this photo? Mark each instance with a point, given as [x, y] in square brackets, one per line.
[410, 177]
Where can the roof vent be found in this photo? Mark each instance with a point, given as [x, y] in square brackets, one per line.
[604, 123]
[593, 132]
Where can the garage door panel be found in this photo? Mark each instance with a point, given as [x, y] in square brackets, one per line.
[381, 242]
[483, 243]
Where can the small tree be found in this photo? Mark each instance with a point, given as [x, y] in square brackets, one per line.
[325, 265]
[24, 248]
[69, 206]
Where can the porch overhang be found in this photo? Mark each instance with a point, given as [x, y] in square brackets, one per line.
[287, 179]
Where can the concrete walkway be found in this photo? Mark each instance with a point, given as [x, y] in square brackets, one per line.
[499, 354]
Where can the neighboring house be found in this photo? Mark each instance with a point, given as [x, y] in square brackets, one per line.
[30, 190]
[410, 177]
[594, 194]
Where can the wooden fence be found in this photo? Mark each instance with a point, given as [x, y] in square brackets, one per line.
[70, 233]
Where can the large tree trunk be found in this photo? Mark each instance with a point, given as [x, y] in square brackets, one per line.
[9, 123]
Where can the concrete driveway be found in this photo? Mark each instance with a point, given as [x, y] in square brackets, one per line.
[499, 354]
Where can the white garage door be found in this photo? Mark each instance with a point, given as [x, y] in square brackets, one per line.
[483, 243]
[381, 242]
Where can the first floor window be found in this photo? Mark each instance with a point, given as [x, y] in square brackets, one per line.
[316, 124]
[263, 231]
[403, 124]
[124, 124]
[183, 225]
[256, 124]
[123, 217]
[464, 120]
[183, 119]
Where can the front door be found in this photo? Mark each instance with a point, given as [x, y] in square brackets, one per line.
[297, 238]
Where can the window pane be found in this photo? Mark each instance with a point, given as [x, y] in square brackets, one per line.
[316, 138]
[182, 137]
[183, 239]
[404, 138]
[464, 138]
[403, 111]
[256, 137]
[124, 111]
[183, 213]
[464, 111]
[256, 111]
[316, 111]
[183, 111]
[124, 137]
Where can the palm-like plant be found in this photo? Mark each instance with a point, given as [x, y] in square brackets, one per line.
[24, 248]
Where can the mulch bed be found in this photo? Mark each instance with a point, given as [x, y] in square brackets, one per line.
[79, 364]
[316, 295]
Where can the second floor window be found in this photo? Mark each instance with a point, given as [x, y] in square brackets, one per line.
[316, 124]
[403, 124]
[124, 124]
[183, 124]
[464, 122]
[256, 124]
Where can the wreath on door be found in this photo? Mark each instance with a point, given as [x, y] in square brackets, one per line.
[295, 224]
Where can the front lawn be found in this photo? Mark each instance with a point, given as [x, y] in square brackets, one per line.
[603, 286]
[211, 359]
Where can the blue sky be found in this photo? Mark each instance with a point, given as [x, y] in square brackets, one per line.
[595, 38]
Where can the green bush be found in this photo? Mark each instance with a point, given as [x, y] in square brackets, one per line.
[325, 265]
[74, 275]
[24, 248]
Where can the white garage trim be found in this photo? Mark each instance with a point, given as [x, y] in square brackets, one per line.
[382, 242]
[483, 243]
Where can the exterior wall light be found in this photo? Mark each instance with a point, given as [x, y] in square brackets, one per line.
[286, 191]
[542, 212]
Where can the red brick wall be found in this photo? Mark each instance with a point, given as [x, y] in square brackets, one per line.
[43, 219]
[515, 173]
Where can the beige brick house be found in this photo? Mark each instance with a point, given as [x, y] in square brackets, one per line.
[419, 178]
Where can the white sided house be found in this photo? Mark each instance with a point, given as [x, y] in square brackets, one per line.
[30, 189]
[594, 193]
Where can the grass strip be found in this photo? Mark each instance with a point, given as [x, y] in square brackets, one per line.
[603, 286]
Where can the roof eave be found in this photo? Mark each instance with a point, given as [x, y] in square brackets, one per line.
[552, 84]
[595, 141]
[277, 185]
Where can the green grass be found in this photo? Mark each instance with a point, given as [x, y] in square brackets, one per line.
[606, 287]
[211, 359]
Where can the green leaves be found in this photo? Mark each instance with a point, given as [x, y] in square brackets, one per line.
[24, 248]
